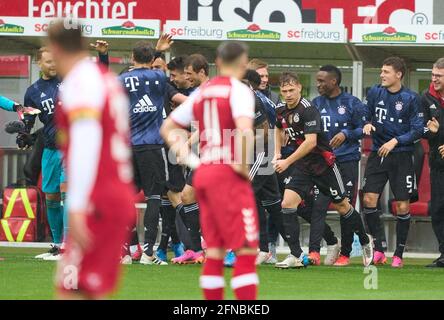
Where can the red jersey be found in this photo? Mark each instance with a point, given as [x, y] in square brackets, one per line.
[97, 150]
[215, 106]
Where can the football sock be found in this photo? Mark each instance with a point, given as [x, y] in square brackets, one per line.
[263, 232]
[402, 231]
[65, 216]
[292, 229]
[55, 220]
[347, 235]
[373, 220]
[212, 281]
[190, 217]
[245, 280]
[351, 223]
[151, 221]
[165, 236]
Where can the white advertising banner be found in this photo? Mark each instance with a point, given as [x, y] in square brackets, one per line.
[274, 32]
[398, 34]
[110, 28]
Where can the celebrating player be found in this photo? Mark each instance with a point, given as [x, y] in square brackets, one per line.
[146, 90]
[341, 115]
[172, 224]
[42, 95]
[196, 73]
[228, 209]
[312, 163]
[394, 116]
[264, 180]
[93, 133]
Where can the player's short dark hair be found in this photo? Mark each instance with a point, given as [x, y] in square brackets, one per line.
[253, 78]
[67, 34]
[161, 56]
[288, 77]
[397, 63]
[230, 51]
[198, 62]
[334, 71]
[178, 63]
[143, 52]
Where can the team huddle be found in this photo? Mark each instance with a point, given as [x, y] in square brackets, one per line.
[225, 163]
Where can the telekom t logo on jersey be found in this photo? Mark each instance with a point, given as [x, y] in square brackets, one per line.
[326, 121]
[48, 105]
[132, 83]
[381, 114]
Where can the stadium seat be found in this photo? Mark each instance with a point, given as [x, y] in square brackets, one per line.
[421, 207]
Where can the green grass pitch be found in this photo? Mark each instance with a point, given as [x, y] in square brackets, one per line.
[23, 277]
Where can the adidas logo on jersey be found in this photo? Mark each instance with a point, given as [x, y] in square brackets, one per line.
[42, 95]
[324, 111]
[145, 105]
[381, 103]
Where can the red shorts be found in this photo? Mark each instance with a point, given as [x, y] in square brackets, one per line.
[228, 212]
[95, 272]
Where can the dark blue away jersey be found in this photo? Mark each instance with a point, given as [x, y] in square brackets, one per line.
[343, 113]
[146, 91]
[42, 95]
[394, 115]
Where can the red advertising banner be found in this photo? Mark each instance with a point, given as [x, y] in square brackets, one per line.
[14, 66]
[94, 9]
[246, 12]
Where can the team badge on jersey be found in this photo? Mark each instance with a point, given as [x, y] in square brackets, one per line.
[342, 110]
[296, 118]
[399, 105]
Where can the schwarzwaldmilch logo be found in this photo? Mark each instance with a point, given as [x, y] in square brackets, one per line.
[10, 28]
[128, 28]
[389, 34]
[253, 32]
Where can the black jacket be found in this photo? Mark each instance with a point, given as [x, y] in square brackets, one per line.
[432, 108]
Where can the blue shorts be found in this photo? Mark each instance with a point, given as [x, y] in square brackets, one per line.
[53, 171]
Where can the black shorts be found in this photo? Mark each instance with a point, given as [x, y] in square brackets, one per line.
[266, 189]
[189, 178]
[176, 181]
[329, 183]
[397, 169]
[150, 170]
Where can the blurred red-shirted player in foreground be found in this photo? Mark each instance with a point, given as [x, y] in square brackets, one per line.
[224, 110]
[93, 133]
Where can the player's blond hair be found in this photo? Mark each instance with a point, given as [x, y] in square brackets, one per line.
[40, 53]
[255, 64]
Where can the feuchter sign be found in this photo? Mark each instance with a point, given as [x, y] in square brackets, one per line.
[239, 14]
